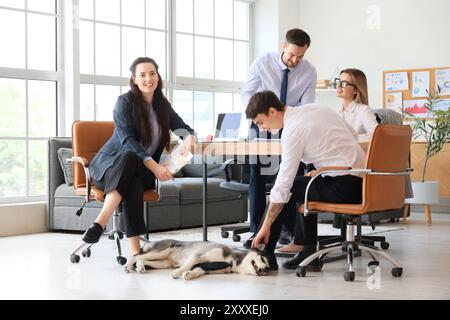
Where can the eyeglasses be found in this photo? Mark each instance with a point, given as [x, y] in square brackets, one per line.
[342, 83]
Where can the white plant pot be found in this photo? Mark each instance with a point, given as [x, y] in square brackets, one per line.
[425, 192]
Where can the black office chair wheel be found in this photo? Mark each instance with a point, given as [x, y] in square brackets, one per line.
[384, 245]
[236, 238]
[121, 260]
[373, 263]
[301, 272]
[349, 275]
[74, 258]
[225, 234]
[86, 253]
[120, 233]
[397, 272]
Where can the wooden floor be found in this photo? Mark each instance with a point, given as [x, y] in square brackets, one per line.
[37, 267]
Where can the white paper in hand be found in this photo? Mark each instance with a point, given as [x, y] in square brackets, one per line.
[177, 159]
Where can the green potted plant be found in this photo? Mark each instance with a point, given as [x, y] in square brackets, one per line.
[434, 131]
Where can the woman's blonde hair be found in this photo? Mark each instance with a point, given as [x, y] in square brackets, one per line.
[360, 81]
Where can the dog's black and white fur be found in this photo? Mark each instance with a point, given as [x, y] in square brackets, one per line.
[193, 259]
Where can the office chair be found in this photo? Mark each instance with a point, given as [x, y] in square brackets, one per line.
[87, 138]
[383, 116]
[383, 189]
[241, 187]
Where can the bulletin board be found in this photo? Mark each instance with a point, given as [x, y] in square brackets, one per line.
[405, 89]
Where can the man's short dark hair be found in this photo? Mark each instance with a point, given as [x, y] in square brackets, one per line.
[261, 102]
[298, 37]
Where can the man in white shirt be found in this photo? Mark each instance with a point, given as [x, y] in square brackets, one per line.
[312, 134]
[293, 79]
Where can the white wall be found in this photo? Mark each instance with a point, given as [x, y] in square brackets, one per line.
[265, 26]
[288, 16]
[410, 34]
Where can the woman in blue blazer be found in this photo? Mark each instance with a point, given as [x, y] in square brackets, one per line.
[128, 163]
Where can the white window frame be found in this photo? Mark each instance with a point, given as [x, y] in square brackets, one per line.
[200, 84]
[94, 79]
[39, 75]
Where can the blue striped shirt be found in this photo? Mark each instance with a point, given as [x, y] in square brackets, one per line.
[266, 73]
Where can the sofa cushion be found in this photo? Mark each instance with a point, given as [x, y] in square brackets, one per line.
[64, 196]
[191, 190]
[169, 194]
[195, 168]
[63, 155]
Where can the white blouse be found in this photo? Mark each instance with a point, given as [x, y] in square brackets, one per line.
[361, 118]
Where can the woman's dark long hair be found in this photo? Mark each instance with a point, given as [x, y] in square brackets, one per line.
[160, 104]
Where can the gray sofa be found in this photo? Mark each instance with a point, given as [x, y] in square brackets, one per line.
[180, 204]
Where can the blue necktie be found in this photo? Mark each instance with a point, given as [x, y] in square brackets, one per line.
[284, 84]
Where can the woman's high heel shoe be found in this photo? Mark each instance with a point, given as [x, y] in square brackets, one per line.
[93, 233]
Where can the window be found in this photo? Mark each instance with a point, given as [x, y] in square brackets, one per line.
[201, 46]
[199, 109]
[112, 34]
[29, 84]
[212, 49]
[209, 48]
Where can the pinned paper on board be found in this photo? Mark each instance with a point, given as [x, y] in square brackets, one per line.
[396, 81]
[443, 81]
[394, 100]
[416, 108]
[420, 83]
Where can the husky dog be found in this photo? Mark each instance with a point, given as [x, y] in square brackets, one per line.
[193, 259]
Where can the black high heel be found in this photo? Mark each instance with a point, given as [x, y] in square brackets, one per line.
[93, 233]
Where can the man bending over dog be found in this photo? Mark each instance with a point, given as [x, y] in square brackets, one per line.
[312, 134]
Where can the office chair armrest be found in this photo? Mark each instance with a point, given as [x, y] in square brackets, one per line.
[362, 171]
[226, 166]
[81, 160]
[319, 171]
[87, 174]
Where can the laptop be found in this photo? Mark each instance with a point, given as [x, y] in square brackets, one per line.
[228, 127]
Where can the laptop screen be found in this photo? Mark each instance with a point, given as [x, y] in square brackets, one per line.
[228, 125]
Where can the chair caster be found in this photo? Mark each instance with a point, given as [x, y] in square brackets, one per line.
[121, 260]
[349, 275]
[86, 253]
[236, 238]
[373, 263]
[397, 272]
[301, 272]
[384, 245]
[74, 258]
[224, 234]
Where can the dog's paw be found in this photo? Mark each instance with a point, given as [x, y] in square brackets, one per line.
[128, 268]
[140, 266]
[188, 275]
[175, 274]
[131, 265]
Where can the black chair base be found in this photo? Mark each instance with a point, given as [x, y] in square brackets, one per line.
[236, 231]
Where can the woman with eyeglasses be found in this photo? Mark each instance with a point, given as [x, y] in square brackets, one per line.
[351, 86]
